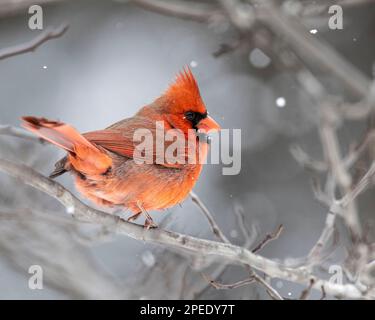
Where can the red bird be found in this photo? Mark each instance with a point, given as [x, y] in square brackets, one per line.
[103, 162]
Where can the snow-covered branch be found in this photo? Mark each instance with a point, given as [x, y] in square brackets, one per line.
[222, 251]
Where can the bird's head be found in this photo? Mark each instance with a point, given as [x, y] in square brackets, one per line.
[183, 106]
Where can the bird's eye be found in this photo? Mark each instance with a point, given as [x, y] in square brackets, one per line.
[190, 115]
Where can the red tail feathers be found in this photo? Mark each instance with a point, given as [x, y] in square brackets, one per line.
[83, 155]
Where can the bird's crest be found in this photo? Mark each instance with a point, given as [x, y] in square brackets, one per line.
[184, 91]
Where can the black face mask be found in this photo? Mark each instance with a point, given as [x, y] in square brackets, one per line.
[195, 117]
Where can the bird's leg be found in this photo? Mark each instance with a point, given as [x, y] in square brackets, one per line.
[134, 216]
[149, 223]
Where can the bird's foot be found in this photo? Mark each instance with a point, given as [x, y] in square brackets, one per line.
[149, 223]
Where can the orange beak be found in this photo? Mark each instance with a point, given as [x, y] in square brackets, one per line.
[207, 125]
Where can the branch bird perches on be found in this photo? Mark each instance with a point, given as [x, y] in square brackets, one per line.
[222, 251]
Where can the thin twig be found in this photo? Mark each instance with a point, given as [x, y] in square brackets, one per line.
[360, 187]
[269, 237]
[253, 278]
[214, 226]
[249, 236]
[221, 286]
[305, 293]
[315, 252]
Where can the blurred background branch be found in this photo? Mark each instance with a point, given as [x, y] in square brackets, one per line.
[13, 7]
[48, 34]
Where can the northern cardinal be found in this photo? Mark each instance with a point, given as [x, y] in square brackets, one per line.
[103, 161]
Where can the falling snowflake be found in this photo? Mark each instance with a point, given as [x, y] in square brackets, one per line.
[148, 259]
[313, 31]
[70, 210]
[44, 67]
[193, 64]
[234, 233]
[281, 102]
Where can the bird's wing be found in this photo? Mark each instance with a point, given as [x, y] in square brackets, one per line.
[122, 139]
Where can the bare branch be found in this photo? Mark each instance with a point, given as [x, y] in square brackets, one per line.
[253, 278]
[328, 135]
[214, 226]
[249, 239]
[194, 11]
[48, 34]
[242, 16]
[311, 50]
[12, 7]
[336, 208]
[221, 286]
[269, 237]
[305, 161]
[305, 293]
[321, 196]
[361, 109]
[270, 290]
[353, 156]
[315, 252]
